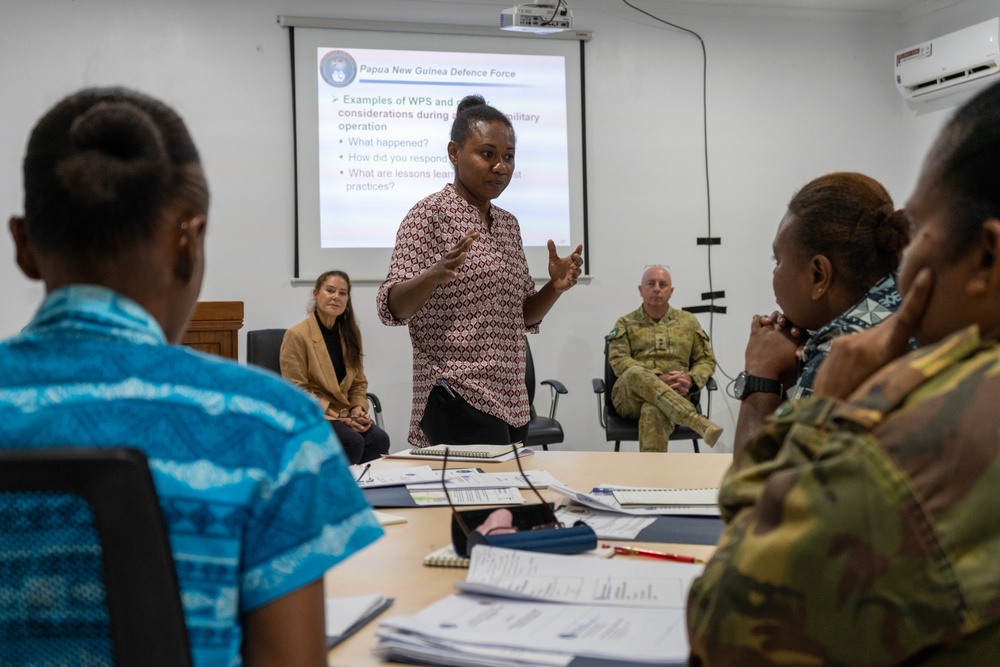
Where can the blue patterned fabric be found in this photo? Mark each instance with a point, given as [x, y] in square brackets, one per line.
[254, 487]
[53, 609]
[878, 303]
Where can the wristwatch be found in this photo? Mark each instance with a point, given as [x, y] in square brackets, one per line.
[747, 384]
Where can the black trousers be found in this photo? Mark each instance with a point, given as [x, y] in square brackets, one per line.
[361, 447]
[452, 421]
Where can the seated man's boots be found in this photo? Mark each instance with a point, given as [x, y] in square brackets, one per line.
[708, 430]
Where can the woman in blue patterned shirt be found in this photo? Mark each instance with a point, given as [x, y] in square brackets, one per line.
[255, 492]
[836, 254]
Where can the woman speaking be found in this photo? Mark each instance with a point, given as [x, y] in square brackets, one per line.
[459, 279]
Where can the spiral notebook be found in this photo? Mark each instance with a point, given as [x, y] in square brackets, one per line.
[649, 497]
[445, 557]
[448, 557]
[471, 451]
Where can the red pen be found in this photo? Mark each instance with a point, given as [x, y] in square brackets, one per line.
[632, 551]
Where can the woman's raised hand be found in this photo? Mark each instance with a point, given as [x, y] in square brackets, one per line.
[447, 268]
[564, 271]
[772, 348]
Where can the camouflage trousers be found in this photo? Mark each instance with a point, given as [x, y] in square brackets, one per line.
[639, 392]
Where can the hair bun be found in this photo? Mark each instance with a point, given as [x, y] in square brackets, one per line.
[116, 152]
[470, 101]
[892, 232]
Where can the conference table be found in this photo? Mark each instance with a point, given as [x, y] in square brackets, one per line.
[393, 566]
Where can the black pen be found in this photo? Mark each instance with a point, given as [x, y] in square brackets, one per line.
[364, 472]
[444, 384]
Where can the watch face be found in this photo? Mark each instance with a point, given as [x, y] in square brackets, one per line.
[741, 384]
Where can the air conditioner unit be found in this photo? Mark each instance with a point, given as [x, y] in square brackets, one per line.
[960, 61]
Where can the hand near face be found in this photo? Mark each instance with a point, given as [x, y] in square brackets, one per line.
[853, 359]
[447, 268]
[564, 271]
[679, 381]
[778, 318]
[772, 348]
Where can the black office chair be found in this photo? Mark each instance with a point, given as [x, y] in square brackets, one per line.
[620, 428]
[264, 350]
[542, 431]
[87, 572]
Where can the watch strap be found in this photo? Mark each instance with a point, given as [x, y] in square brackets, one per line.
[754, 384]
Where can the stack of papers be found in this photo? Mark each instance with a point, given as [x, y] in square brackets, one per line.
[446, 556]
[470, 478]
[535, 609]
[467, 486]
[688, 502]
[468, 497]
[375, 478]
[532, 575]
[416, 454]
[670, 497]
[474, 451]
[475, 487]
[607, 524]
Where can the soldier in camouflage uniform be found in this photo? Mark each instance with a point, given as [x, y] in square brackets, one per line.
[862, 523]
[661, 355]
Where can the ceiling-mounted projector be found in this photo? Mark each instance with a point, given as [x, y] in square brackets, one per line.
[538, 17]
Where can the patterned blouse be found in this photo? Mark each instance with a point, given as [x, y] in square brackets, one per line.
[878, 303]
[471, 330]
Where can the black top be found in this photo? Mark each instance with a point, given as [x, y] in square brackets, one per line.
[332, 339]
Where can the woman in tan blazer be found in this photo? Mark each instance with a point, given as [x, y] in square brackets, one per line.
[322, 355]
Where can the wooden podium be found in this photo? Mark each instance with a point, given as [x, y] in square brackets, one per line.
[214, 328]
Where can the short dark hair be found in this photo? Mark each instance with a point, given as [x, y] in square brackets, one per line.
[850, 218]
[100, 169]
[964, 167]
[350, 332]
[472, 109]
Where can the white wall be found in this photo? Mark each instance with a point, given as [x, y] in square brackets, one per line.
[791, 95]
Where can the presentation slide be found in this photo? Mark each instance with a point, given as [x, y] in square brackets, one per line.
[383, 122]
[373, 116]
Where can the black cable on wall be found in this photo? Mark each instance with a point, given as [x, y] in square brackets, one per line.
[708, 240]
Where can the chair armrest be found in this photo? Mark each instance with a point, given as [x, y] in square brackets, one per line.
[599, 392]
[556, 385]
[555, 388]
[711, 385]
[377, 405]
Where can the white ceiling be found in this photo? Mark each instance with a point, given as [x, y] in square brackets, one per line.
[905, 9]
[866, 5]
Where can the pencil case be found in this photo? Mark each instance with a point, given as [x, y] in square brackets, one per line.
[570, 540]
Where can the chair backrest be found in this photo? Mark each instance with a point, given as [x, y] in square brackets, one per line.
[264, 348]
[609, 377]
[85, 564]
